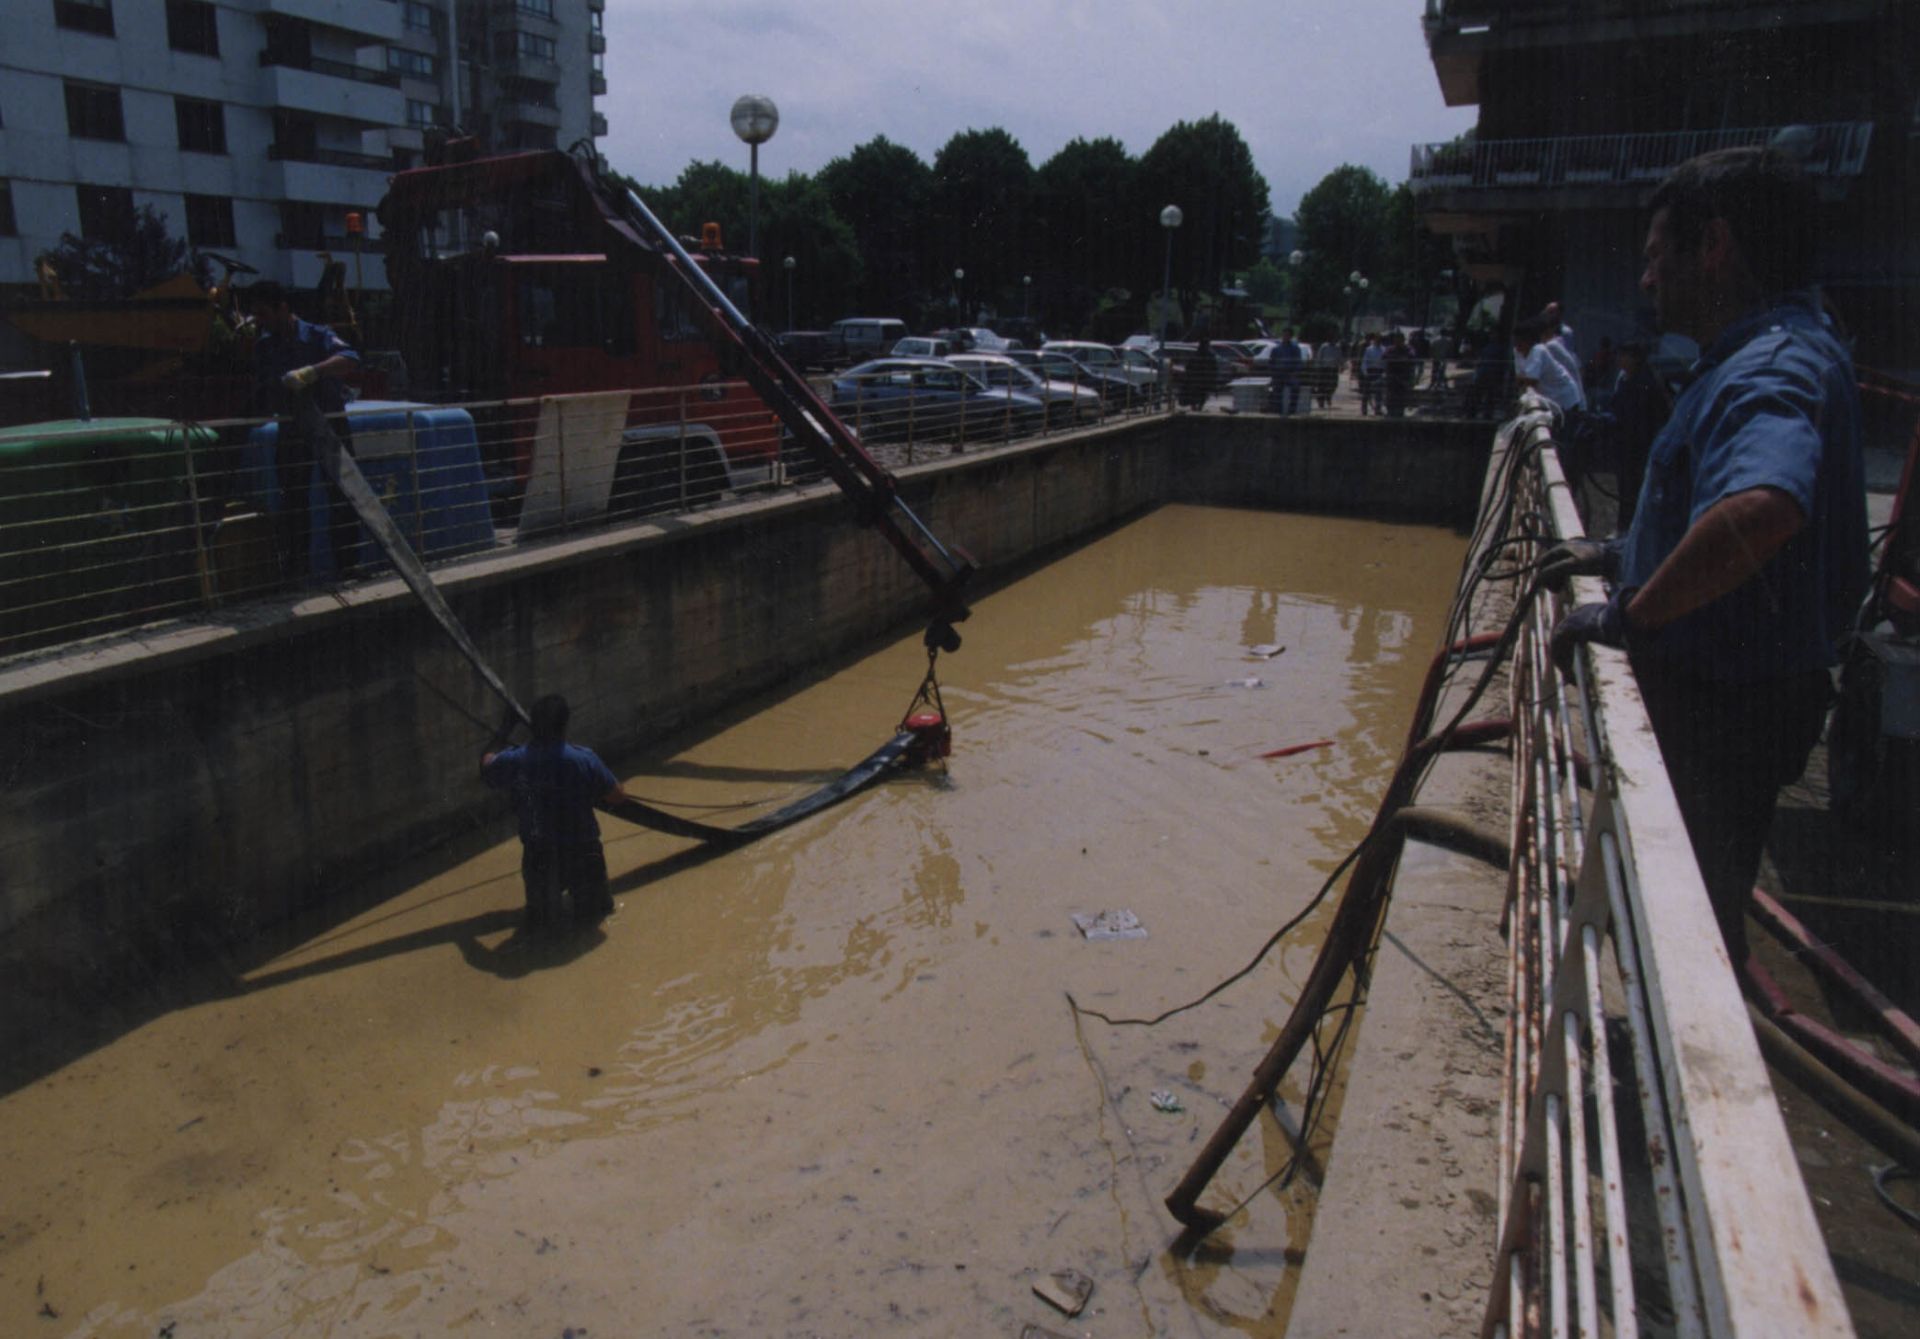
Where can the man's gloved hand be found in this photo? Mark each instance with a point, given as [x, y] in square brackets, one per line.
[1605, 623]
[1575, 558]
[300, 379]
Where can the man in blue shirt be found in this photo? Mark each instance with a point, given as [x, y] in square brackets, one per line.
[1747, 557]
[294, 357]
[1286, 359]
[555, 786]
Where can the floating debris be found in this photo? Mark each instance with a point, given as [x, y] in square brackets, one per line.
[1110, 925]
[1067, 1289]
[1264, 651]
[1251, 681]
[1164, 1100]
[1292, 749]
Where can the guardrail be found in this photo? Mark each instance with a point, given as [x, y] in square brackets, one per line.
[336, 69]
[1664, 1194]
[1833, 149]
[120, 522]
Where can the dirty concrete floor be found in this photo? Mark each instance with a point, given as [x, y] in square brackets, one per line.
[829, 1084]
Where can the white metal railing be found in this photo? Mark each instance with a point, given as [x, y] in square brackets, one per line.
[1666, 1195]
[115, 523]
[1453, 15]
[1833, 149]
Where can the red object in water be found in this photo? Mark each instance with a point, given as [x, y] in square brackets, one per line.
[933, 738]
[1292, 749]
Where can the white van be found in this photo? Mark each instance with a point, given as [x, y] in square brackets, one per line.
[858, 338]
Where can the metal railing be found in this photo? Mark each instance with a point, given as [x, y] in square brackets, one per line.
[105, 526]
[337, 69]
[1663, 1193]
[372, 162]
[1452, 15]
[1834, 149]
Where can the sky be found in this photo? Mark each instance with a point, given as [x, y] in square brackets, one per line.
[1311, 84]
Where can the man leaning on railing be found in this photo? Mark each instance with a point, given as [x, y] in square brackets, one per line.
[295, 357]
[1747, 557]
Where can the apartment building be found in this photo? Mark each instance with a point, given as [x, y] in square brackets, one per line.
[1586, 104]
[266, 129]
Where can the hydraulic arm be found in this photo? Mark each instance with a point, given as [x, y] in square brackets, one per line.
[815, 427]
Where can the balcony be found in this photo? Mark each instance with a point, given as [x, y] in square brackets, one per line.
[597, 43]
[371, 162]
[598, 126]
[333, 69]
[529, 113]
[375, 23]
[1608, 171]
[1462, 33]
[597, 85]
[372, 99]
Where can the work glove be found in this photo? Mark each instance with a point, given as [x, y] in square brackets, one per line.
[300, 379]
[1577, 558]
[1603, 622]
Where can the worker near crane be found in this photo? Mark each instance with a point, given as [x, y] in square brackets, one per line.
[555, 786]
[292, 357]
[1747, 557]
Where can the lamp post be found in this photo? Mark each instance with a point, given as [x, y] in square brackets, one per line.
[1026, 305]
[788, 264]
[755, 118]
[1293, 287]
[1356, 294]
[959, 304]
[1169, 219]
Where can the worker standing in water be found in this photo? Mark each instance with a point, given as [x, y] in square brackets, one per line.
[555, 786]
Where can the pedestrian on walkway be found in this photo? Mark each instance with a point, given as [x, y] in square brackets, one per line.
[555, 786]
[1286, 360]
[1372, 374]
[1747, 558]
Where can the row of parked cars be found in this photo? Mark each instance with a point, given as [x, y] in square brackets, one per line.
[992, 392]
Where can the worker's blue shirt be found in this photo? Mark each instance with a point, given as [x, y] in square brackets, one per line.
[554, 788]
[276, 355]
[1771, 404]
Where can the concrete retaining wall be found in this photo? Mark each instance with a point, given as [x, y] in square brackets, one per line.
[217, 777]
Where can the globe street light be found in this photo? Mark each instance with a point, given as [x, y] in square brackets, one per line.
[1293, 285]
[1026, 306]
[789, 263]
[1169, 219]
[755, 118]
[959, 277]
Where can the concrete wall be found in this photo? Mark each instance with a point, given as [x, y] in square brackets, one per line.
[208, 780]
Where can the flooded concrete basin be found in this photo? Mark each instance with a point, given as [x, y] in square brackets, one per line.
[829, 1084]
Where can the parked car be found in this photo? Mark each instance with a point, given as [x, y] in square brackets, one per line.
[921, 346]
[1108, 362]
[807, 350]
[928, 397]
[1113, 388]
[985, 340]
[1065, 402]
[860, 337]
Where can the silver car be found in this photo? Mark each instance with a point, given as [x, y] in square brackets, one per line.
[1066, 403]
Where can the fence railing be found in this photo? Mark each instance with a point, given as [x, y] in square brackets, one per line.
[119, 522]
[1646, 1180]
[1450, 15]
[1834, 149]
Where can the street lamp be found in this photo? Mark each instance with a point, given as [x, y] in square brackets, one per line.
[1026, 305]
[1293, 286]
[755, 118]
[959, 309]
[1169, 219]
[788, 263]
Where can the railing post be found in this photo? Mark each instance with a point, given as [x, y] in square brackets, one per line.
[682, 454]
[200, 562]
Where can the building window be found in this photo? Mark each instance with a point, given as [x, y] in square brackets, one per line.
[416, 63]
[303, 226]
[531, 46]
[85, 16]
[7, 225]
[210, 220]
[419, 17]
[202, 125]
[106, 212]
[192, 27]
[93, 112]
[538, 8]
[597, 21]
[422, 114]
[536, 92]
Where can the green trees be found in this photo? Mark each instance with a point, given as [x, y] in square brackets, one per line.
[1352, 220]
[1206, 169]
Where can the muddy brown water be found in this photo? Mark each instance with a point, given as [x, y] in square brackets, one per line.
[829, 1084]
